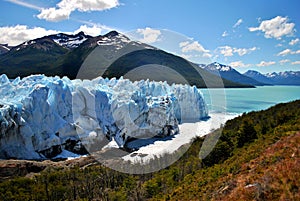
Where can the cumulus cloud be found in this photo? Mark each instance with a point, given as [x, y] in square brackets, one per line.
[186, 56]
[238, 23]
[275, 28]
[288, 51]
[207, 55]
[296, 63]
[294, 41]
[54, 15]
[64, 8]
[228, 51]
[243, 51]
[194, 51]
[236, 64]
[187, 46]
[284, 52]
[266, 63]
[15, 35]
[284, 61]
[149, 35]
[90, 30]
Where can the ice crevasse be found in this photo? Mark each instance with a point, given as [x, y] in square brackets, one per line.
[41, 116]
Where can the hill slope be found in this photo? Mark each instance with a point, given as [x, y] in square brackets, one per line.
[256, 158]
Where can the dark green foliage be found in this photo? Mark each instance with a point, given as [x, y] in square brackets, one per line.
[42, 57]
[246, 134]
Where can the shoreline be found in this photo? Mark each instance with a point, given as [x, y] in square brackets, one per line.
[186, 134]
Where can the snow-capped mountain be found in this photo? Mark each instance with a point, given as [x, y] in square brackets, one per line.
[48, 43]
[40, 117]
[110, 55]
[281, 78]
[70, 41]
[215, 66]
[230, 73]
[258, 76]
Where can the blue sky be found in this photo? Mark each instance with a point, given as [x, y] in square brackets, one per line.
[259, 34]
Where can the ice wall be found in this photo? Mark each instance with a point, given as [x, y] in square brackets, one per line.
[42, 116]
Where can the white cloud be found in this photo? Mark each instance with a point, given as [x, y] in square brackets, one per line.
[224, 34]
[25, 4]
[288, 51]
[296, 63]
[207, 55]
[149, 35]
[284, 52]
[228, 51]
[275, 28]
[54, 15]
[294, 41]
[186, 56]
[238, 23]
[192, 46]
[195, 57]
[243, 51]
[236, 64]
[266, 63]
[284, 61]
[64, 8]
[15, 35]
[90, 30]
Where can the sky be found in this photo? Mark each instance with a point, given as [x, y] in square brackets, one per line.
[260, 35]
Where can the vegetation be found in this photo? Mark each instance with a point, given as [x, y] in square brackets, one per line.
[257, 157]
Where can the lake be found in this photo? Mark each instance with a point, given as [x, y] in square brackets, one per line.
[240, 100]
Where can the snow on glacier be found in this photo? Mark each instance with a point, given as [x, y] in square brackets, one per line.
[42, 117]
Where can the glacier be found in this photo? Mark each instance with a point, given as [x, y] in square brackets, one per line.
[42, 117]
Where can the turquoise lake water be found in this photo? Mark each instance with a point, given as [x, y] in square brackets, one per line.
[240, 100]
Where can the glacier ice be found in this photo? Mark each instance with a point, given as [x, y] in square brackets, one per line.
[41, 117]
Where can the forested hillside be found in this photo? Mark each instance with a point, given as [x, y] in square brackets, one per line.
[257, 157]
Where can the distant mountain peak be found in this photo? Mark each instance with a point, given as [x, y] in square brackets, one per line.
[111, 34]
[81, 33]
[68, 40]
[280, 78]
[113, 38]
[215, 66]
[229, 73]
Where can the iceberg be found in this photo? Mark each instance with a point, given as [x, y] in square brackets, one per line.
[42, 117]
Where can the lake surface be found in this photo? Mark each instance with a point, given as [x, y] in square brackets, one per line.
[240, 100]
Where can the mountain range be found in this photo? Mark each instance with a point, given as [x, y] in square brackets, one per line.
[281, 78]
[230, 73]
[115, 55]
